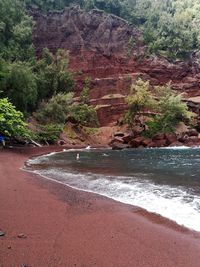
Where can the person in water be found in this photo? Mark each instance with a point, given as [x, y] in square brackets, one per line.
[77, 156]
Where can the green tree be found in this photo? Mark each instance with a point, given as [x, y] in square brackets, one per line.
[138, 100]
[56, 109]
[11, 121]
[53, 75]
[60, 106]
[15, 31]
[19, 85]
[169, 28]
[4, 71]
[174, 35]
[172, 108]
[166, 105]
[84, 114]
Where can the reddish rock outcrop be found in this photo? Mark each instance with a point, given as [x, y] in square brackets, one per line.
[189, 138]
[76, 30]
[110, 50]
[170, 138]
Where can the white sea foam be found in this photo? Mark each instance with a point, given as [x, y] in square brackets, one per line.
[176, 147]
[179, 147]
[175, 203]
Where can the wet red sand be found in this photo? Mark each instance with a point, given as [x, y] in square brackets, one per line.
[67, 227]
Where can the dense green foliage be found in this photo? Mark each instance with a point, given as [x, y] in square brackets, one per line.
[52, 74]
[166, 106]
[85, 115]
[172, 110]
[19, 85]
[49, 133]
[26, 84]
[171, 27]
[138, 100]
[56, 109]
[110, 6]
[11, 121]
[61, 106]
[15, 31]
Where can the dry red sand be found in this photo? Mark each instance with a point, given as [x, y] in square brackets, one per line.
[66, 227]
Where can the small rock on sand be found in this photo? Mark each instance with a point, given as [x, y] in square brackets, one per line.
[22, 236]
[2, 233]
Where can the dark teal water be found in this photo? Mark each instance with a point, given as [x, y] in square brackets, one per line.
[164, 181]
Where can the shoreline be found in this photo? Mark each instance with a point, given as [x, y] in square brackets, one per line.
[152, 216]
[61, 218]
[176, 224]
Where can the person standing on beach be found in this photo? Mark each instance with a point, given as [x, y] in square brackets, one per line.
[2, 140]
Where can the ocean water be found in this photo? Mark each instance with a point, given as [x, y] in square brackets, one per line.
[163, 181]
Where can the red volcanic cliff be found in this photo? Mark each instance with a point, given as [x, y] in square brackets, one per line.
[110, 50]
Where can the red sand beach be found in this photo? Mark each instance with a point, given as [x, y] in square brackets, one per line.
[48, 224]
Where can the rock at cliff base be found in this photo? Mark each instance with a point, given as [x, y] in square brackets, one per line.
[170, 138]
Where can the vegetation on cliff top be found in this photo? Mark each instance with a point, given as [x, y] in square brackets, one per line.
[170, 27]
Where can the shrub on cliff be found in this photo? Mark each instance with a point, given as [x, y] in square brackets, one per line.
[139, 99]
[84, 114]
[56, 109]
[49, 133]
[84, 96]
[172, 111]
[166, 108]
[61, 106]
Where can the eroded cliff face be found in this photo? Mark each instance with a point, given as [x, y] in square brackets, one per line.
[111, 52]
[76, 30]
